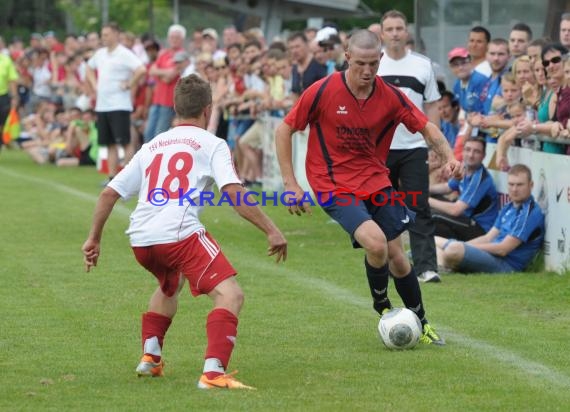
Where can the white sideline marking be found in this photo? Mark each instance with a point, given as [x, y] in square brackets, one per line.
[122, 209]
[530, 369]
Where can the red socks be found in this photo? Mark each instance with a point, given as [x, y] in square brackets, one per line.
[221, 329]
[154, 325]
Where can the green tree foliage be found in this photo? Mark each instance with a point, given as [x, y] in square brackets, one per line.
[377, 6]
[380, 7]
[84, 16]
[138, 16]
[22, 17]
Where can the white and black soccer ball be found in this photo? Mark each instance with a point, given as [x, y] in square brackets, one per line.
[400, 328]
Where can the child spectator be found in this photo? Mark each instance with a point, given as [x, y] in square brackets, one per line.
[80, 142]
[517, 113]
[499, 117]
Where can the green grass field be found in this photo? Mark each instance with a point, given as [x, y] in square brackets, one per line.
[70, 340]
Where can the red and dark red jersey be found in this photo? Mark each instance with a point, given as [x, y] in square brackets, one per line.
[350, 138]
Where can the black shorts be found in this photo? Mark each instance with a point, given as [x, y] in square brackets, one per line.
[456, 227]
[4, 109]
[386, 210]
[114, 128]
[85, 159]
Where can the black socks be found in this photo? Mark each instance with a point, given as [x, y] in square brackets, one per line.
[378, 282]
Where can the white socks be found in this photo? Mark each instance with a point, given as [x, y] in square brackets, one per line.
[213, 365]
[152, 347]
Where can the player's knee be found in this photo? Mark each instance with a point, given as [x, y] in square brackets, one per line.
[373, 240]
[400, 263]
[234, 299]
[239, 298]
[454, 252]
[378, 249]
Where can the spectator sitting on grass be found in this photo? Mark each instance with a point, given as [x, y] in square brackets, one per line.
[81, 147]
[513, 241]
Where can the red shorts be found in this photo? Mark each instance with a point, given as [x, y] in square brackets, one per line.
[197, 257]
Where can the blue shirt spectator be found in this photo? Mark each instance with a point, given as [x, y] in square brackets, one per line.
[512, 242]
[498, 58]
[469, 84]
[468, 92]
[526, 223]
[491, 89]
[476, 208]
[478, 191]
[448, 114]
[450, 132]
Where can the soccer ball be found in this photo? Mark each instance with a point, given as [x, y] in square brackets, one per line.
[400, 328]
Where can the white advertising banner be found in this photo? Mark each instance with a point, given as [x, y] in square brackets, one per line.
[300, 141]
[551, 176]
[271, 179]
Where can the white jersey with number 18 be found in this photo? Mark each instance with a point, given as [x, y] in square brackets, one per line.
[173, 175]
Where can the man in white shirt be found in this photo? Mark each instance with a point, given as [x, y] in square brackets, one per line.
[477, 45]
[413, 74]
[113, 72]
[171, 175]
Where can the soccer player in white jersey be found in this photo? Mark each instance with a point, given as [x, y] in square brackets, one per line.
[413, 74]
[168, 175]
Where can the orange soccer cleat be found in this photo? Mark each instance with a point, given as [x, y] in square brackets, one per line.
[148, 367]
[226, 381]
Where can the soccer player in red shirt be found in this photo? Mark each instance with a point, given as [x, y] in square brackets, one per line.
[352, 117]
[168, 238]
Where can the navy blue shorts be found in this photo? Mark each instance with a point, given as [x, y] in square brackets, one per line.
[387, 210]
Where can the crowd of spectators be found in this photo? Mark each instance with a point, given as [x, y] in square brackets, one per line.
[251, 76]
[513, 91]
[58, 105]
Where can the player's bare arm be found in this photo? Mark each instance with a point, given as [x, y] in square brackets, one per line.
[456, 208]
[439, 189]
[284, 147]
[91, 79]
[133, 83]
[432, 112]
[166, 75]
[501, 249]
[254, 214]
[104, 207]
[438, 143]
[486, 238]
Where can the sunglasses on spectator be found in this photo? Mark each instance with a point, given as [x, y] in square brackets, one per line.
[459, 62]
[220, 67]
[555, 59]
